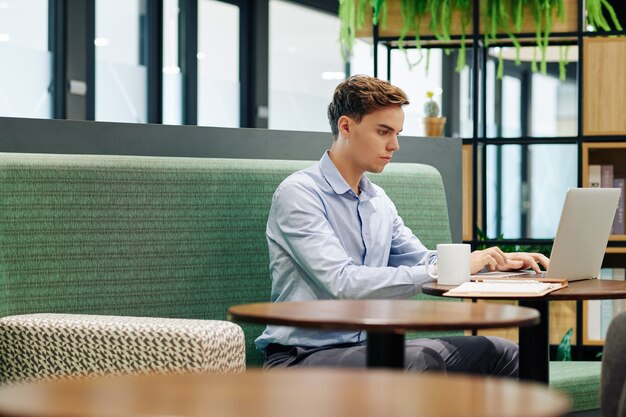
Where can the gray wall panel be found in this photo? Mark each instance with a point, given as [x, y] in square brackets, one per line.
[83, 137]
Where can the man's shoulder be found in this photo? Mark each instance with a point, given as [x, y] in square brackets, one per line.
[305, 179]
[297, 190]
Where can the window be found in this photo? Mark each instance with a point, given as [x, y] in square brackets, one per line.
[121, 73]
[172, 77]
[553, 169]
[525, 196]
[362, 59]
[554, 108]
[25, 73]
[531, 104]
[416, 73]
[218, 64]
[305, 66]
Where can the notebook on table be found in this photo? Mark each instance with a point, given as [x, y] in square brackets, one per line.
[507, 288]
[581, 237]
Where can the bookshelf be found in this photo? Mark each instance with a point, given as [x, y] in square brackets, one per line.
[604, 145]
[606, 154]
[595, 157]
[599, 134]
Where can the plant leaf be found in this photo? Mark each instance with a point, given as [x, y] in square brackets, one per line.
[564, 350]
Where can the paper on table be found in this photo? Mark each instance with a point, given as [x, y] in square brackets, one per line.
[521, 288]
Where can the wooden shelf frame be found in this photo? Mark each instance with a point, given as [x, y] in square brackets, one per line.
[474, 151]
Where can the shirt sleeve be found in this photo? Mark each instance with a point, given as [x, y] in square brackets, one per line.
[406, 248]
[298, 224]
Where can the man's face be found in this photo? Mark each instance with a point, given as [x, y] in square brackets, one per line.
[374, 140]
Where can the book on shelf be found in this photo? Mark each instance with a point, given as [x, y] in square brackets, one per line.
[507, 287]
[618, 223]
[599, 313]
[602, 176]
[595, 176]
[606, 176]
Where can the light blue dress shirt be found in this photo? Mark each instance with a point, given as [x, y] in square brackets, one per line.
[325, 242]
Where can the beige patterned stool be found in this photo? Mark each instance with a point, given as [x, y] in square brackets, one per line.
[50, 346]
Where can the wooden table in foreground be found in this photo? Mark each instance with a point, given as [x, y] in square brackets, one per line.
[284, 393]
[534, 342]
[385, 321]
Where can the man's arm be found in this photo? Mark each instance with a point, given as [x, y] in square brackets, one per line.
[298, 224]
[406, 248]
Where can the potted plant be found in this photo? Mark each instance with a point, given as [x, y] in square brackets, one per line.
[442, 18]
[433, 123]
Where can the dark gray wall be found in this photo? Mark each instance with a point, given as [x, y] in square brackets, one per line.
[80, 137]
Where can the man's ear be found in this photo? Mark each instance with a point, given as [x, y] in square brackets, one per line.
[344, 125]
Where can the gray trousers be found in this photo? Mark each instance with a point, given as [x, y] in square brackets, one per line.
[468, 354]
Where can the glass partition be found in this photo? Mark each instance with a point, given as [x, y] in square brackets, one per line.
[526, 188]
[218, 64]
[121, 72]
[26, 69]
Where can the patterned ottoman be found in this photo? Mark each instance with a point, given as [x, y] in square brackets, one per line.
[46, 346]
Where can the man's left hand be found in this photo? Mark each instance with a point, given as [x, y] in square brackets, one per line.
[526, 260]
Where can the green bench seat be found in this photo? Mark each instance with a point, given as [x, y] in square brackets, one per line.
[163, 236]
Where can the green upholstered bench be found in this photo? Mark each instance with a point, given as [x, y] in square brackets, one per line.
[159, 236]
[580, 380]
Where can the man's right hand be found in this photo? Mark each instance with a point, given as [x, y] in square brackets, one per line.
[494, 260]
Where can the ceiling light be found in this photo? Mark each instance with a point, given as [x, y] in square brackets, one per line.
[333, 75]
[201, 55]
[5, 37]
[101, 42]
[171, 70]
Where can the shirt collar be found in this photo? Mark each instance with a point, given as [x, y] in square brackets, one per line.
[339, 184]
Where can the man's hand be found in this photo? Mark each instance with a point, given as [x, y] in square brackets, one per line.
[495, 260]
[529, 260]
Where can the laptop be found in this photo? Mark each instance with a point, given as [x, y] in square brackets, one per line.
[582, 235]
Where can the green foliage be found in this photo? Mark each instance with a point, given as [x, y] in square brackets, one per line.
[595, 16]
[564, 350]
[497, 16]
[507, 247]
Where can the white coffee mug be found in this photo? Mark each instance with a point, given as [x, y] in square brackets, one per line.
[453, 263]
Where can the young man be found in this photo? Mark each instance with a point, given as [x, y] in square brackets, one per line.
[332, 234]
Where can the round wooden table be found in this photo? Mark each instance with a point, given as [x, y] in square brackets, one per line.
[534, 342]
[385, 321]
[284, 393]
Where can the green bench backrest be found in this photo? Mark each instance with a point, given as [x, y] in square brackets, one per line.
[156, 236]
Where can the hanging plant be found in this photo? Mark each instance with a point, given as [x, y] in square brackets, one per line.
[563, 61]
[595, 16]
[440, 12]
[497, 16]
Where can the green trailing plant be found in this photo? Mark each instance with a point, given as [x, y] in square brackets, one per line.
[497, 16]
[440, 12]
[595, 15]
[563, 61]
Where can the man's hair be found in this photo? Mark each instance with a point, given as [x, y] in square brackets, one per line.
[361, 95]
